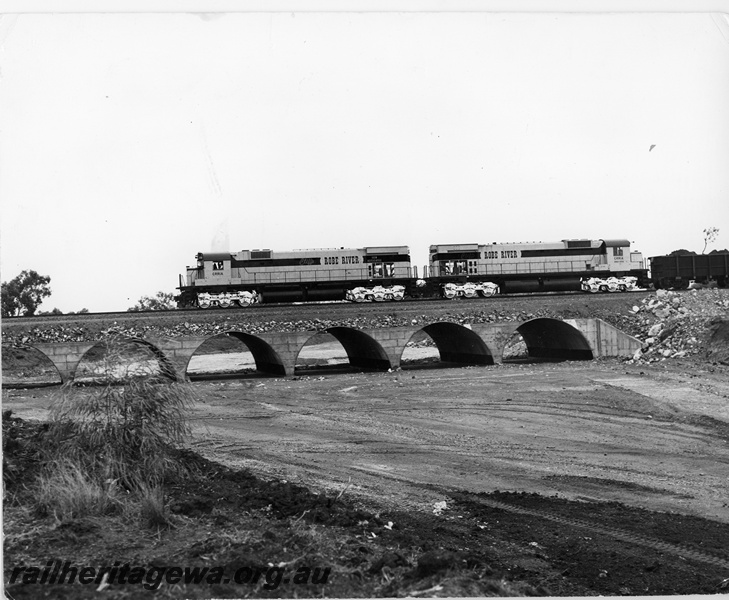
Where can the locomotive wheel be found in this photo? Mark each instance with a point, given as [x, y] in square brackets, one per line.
[204, 304]
[603, 288]
[398, 297]
[623, 288]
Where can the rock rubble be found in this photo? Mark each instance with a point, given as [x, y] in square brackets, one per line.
[676, 324]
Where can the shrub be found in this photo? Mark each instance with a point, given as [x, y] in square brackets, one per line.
[122, 433]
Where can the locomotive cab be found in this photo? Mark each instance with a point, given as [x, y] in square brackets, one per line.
[213, 268]
[619, 258]
[454, 259]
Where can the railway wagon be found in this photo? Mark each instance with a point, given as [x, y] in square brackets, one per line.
[679, 270]
[575, 264]
[226, 279]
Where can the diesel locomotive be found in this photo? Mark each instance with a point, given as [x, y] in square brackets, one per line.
[588, 265]
[248, 276]
[385, 273]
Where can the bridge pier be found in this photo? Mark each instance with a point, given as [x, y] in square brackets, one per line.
[177, 351]
[65, 356]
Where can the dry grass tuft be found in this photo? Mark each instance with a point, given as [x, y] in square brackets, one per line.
[153, 511]
[66, 492]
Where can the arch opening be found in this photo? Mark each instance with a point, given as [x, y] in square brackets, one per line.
[322, 352]
[25, 366]
[456, 344]
[120, 359]
[341, 349]
[421, 352]
[222, 356]
[266, 359]
[553, 340]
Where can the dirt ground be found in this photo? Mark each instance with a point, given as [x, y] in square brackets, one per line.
[626, 450]
[606, 477]
[585, 431]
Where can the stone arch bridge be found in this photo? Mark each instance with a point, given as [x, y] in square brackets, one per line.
[275, 353]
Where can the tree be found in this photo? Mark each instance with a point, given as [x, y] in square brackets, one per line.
[24, 294]
[160, 301]
[710, 234]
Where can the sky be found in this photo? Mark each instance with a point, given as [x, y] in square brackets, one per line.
[130, 142]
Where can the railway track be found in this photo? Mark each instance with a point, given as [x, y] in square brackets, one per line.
[331, 309]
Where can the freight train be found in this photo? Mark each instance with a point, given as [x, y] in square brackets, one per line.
[385, 273]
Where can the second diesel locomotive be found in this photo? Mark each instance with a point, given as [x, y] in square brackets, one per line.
[383, 273]
[589, 265]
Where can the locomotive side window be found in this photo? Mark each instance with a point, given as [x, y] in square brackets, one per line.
[617, 251]
[218, 265]
[389, 269]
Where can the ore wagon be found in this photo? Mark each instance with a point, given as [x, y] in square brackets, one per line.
[679, 270]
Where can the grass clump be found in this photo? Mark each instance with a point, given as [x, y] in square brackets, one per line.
[66, 492]
[152, 509]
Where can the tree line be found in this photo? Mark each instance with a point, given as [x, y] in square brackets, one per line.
[23, 295]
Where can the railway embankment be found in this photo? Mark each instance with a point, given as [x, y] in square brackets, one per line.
[671, 324]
